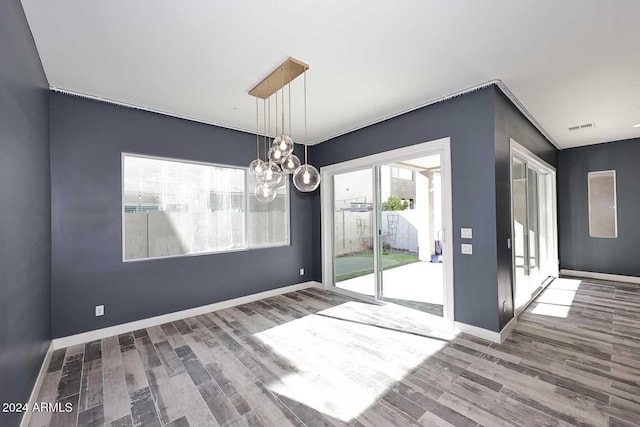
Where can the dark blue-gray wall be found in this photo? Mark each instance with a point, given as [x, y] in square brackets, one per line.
[510, 123]
[87, 139]
[479, 125]
[25, 222]
[578, 251]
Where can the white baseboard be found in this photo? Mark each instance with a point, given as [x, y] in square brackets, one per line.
[486, 334]
[177, 315]
[504, 333]
[601, 276]
[26, 417]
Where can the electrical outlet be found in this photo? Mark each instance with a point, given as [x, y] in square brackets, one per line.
[466, 233]
[302, 271]
[466, 249]
[99, 310]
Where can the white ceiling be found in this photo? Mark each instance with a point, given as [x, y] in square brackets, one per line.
[568, 62]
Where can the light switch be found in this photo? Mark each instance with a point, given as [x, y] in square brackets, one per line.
[467, 249]
[466, 233]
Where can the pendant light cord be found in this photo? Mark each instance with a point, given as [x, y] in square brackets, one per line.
[282, 96]
[305, 117]
[266, 142]
[289, 87]
[257, 131]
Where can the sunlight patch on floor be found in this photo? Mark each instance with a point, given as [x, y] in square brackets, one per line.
[344, 378]
[551, 310]
[557, 299]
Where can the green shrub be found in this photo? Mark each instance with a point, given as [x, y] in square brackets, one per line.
[395, 203]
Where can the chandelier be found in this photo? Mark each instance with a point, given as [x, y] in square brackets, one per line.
[279, 160]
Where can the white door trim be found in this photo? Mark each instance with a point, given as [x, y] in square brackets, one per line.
[516, 149]
[440, 146]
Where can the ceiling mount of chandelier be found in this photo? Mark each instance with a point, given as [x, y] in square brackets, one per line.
[279, 161]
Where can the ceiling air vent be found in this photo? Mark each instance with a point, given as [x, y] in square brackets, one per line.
[582, 127]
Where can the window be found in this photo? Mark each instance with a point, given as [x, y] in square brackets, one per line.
[603, 220]
[401, 173]
[174, 208]
[265, 222]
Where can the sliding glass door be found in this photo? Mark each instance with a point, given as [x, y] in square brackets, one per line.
[387, 225]
[354, 265]
[534, 251]
[411, 242]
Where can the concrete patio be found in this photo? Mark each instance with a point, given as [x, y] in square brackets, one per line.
[418, 282]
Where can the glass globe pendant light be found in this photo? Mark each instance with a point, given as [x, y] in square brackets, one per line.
[306, 178]
[265, 193]
[290, 163]
[266, 189]
[257, 167]
[278, 159]
[272, 175]
[283, 143]
[275, 155]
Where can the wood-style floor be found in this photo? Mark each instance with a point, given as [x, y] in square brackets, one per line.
[316, 358]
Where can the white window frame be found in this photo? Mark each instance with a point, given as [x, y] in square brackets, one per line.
[248, 193]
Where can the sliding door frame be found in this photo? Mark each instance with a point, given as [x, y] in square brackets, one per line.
[518, 150]
[440, 146]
